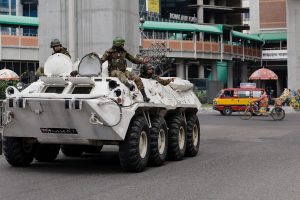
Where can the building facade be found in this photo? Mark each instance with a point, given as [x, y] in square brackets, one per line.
[268, 19]
[87, 26]
[18, 40]
[224, 57]
[293, 11]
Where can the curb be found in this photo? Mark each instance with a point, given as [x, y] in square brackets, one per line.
[287, 109]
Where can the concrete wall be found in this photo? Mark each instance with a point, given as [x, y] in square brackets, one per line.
[254, 16]
[96, 24]
[293, 10]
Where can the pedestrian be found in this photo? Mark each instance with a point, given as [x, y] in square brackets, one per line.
[116, 57]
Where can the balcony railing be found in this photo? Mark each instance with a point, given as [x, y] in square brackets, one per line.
[206, 47]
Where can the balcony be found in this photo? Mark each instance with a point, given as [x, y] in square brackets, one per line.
[205, 49]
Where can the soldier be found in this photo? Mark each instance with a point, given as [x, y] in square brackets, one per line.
[57, 48]
[116, 57]
[147, 71]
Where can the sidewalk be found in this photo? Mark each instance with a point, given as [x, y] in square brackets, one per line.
[209, 109]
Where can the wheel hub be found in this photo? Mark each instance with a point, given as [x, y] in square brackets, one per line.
[195, 135]
[143, 144]
[161, 141]
[181, 138]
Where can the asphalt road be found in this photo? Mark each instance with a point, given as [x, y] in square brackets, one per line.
[254, 159]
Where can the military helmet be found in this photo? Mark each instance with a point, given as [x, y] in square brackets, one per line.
[55, 43]
[145, 67]
[118, 41]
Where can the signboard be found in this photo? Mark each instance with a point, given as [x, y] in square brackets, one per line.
[247, 85]
[153, 6]
[274, 55]
[183, 17]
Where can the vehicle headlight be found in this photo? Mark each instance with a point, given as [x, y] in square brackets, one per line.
[19, 86]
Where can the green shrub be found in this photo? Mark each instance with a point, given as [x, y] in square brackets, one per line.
[202, 95]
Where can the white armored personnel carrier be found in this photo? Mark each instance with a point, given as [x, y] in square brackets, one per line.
[83, 113]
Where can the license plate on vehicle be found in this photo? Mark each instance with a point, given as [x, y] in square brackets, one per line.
[59, 130]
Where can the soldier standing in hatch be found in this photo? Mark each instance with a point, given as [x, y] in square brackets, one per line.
[116, 57]
[147, 71]
[57, 48]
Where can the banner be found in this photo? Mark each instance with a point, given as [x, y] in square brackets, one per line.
[274, 55]
[153, 6]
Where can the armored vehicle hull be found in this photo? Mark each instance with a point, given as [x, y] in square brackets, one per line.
[81, 114]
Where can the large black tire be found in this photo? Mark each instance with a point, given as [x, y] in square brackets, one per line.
[72, 150]
[192, 135]
[227, 111]
[17, 151]
[46, 152]
[134, 151]
[177, 137]
[158, 141]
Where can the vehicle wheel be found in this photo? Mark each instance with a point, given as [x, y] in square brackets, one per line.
[46, 152]
[135, 150]
[158, 141]
[18, 151]
[177, 137]
[72, 150]
[227, 111]
[93, 149]
[192, 135]
[245, 114]
[278, 113]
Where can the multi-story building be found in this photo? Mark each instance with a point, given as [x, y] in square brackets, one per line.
[18, 40]
[229, 12]
[268, 21]
[214, 49]
[293, 8]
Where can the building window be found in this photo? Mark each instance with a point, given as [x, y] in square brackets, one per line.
[30, 10]
[30, 31]
[8, 7]
[8, 30]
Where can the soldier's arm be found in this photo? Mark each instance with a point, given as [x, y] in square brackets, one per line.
[132, 59]
[104, 57]
[67, 54]
[163, 81]
[65, 51]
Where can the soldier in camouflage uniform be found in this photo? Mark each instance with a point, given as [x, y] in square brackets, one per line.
[57, 48]
[116, 57]
[147, 71]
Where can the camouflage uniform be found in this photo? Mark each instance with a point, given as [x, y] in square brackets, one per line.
[117, 65]
[63, 50]
[157, 78]
[144, 74]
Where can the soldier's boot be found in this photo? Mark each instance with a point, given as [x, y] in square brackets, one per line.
[130, 86]
[146, 99]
